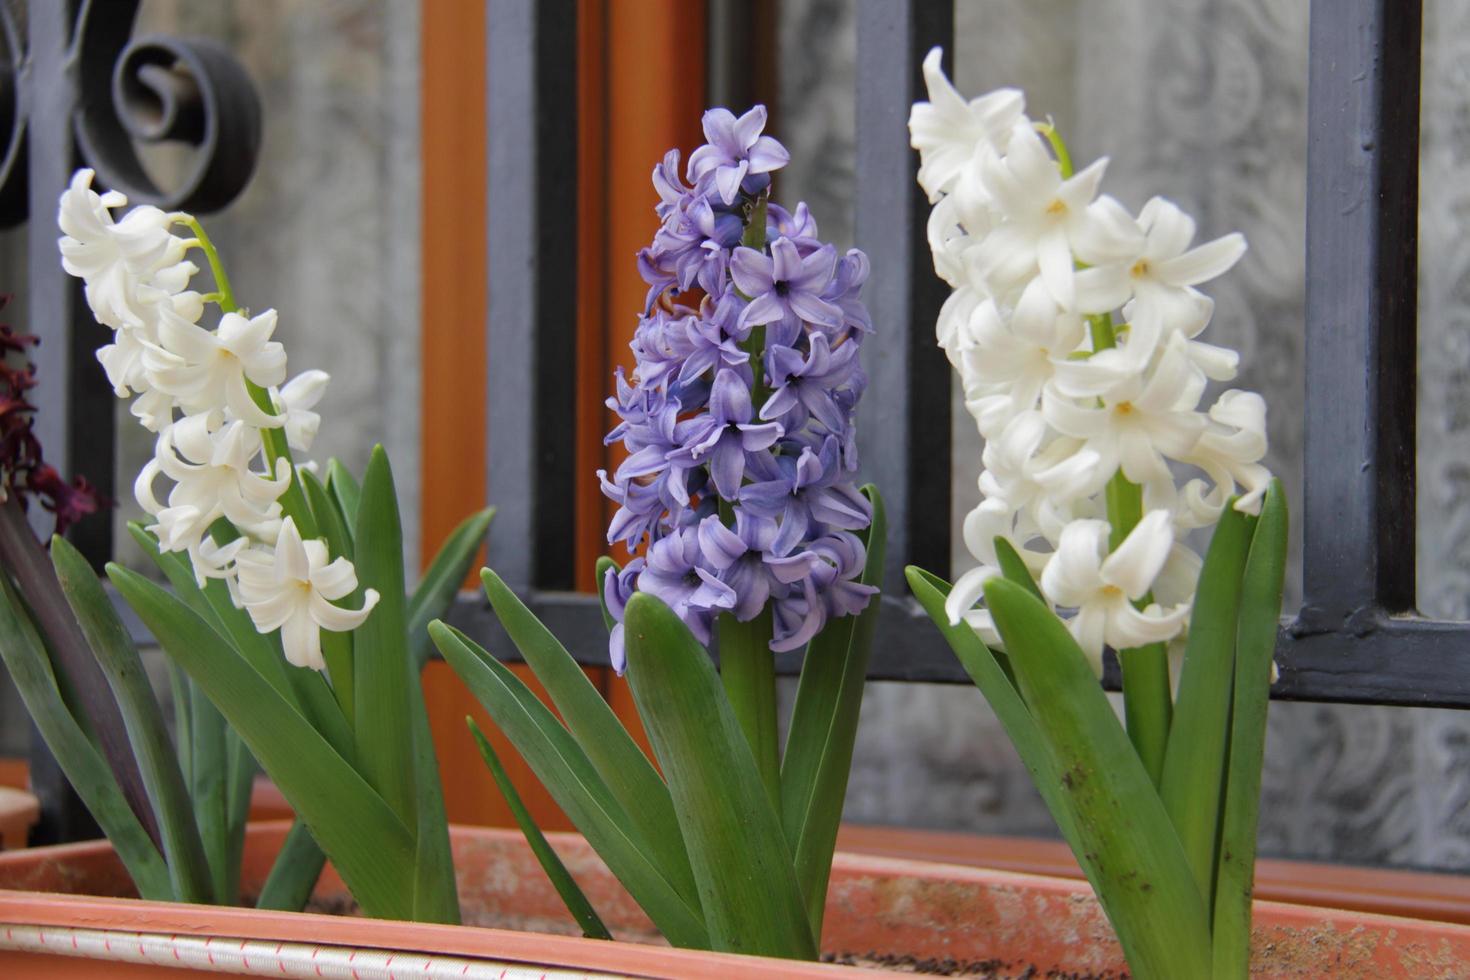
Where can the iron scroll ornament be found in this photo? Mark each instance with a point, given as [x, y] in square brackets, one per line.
[152, 89]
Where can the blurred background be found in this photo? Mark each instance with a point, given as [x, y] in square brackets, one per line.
[365, 227]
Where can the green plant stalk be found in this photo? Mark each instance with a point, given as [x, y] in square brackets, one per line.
[1147, 702]
[748, 672]
[293, 501]
[238, 786]
[561, 879]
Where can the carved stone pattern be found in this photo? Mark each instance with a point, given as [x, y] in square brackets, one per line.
[1202, 101]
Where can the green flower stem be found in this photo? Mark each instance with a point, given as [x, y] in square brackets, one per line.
[1058, 146]
[748, 670]
[293, 501]
[1147, 705]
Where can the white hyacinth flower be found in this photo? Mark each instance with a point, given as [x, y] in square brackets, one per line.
[210, 466]
[118, 258]
[1103, 587]
[292, 587]
[295, 400]
[206, 370]
[947, 130]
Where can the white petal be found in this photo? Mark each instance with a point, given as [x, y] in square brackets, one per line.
[1071, 577]
[1136, 562]
[968, 589]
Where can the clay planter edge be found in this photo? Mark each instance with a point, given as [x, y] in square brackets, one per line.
[878, 907]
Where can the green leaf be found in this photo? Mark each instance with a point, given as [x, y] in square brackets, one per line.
[345, 490]
[25, 659]
[211, 759]
[1139, 868]
[68, 659]
[600, 575]
[618, 761]
[1193, 786]
[824, 721]
[1013, 567]
[561, 879]
[294, 873]
[380, 646]
[748, 676]
[436, 896]
[1255, 642]
[366, 842]
[147, 732]
[752, 903]
[441, 583]
[997, 684]
[238, 786]
[563, 768]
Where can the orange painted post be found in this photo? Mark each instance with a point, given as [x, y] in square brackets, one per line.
[655, 60]
[641, 68]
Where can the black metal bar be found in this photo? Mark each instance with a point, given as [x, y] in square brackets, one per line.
[1362, 245]
[904, 418]
[532, 121]
[1384, 660]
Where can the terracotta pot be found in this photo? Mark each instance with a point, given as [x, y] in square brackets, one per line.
[19, 811]
[883, 909]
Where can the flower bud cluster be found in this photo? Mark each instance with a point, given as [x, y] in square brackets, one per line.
[201, 391]
[1042, 268]
[738, 487]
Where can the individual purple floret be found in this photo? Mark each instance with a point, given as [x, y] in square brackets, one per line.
[736, 149]
[737, 493]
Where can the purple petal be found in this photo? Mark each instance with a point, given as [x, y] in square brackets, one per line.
[729, 399]
[727, 181]
[779, 403]
[785, 261]
[752, 271]
[813, 309]
[754, 438]
[764, 309]
[748, 127]
[721, 546]
[615, 651]
[727, 467]
[767, 154]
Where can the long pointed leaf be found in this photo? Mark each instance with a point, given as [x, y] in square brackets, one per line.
[294, 873]
[1014, 568]
[25, 659]
[345, 490]
[1260, 616]
[147, 733]
[617, 759]
[211, 763]
[79, 679]
[365, 840]
[1193, 786]
[436, 898]
[752, 903]
[562, 767]
[380, 646]
[561, 879]
[989, 674]
[441, 583]
[1140, 871]
[824, 722]
[238, 785]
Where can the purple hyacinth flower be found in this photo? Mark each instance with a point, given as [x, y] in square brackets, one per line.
[740, 557]
[735, 148]
[805, 383]
[796, 618]
[842, 557]
[852, 273]
[785, 289]
[802, 490]
[711, 350]
[674, 574]
[724, 435]
[798, 225]
[617, 588]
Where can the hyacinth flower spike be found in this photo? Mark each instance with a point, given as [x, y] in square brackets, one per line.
[748, 533]
[1073, 328]
[287, 619]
